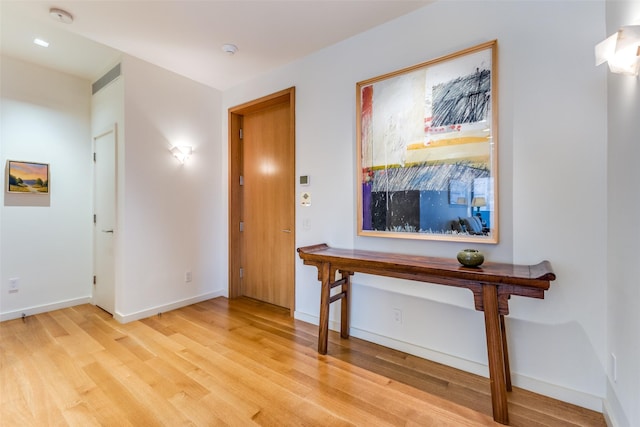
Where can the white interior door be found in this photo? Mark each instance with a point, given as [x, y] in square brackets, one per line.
[104, 220]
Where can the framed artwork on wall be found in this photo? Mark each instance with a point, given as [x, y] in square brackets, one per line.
[426, 139]
[27, 177]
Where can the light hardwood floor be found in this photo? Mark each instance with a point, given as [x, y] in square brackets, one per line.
[237, 362]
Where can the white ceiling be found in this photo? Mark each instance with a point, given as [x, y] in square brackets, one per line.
[186, 36]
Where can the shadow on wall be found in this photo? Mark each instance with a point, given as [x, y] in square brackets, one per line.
[547, 356]
[13, 199]
[556, 354]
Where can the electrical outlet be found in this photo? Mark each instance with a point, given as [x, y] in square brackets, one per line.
[187, 276]
[14, 284]
[397, 316]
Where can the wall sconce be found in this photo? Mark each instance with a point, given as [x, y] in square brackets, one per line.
[621, 51]
[181, 153]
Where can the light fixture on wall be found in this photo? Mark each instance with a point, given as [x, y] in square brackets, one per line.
[182, 153]
[621, 51]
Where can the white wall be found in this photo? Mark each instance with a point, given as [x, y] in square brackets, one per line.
[171, 219]
[45, 118]
[623, 320]
[552, 151]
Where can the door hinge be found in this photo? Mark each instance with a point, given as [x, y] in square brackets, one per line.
[241, 180]
[241, 225]
[240, 133]
[94, 280]
[241, 272]
[94, 157]
[94, 218]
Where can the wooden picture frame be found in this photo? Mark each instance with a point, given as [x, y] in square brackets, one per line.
[421, 132]
[27, 177]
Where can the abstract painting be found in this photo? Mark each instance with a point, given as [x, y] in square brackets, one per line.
[427, 149]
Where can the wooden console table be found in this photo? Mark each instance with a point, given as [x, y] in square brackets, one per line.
[492, 285]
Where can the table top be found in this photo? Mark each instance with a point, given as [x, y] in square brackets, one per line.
[403, 265]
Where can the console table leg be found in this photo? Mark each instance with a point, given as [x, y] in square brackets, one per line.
[495, 354]
[344, 305]
[505, 351]
[325, 295]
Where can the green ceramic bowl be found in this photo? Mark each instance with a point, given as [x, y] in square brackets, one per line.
[470, 257]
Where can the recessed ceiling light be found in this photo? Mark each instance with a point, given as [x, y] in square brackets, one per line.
[41, 42]
[61, 15]
[229, 48]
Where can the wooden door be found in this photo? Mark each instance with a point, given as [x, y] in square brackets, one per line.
[263, 202]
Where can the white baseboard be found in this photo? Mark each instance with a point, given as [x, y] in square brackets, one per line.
[574, 397]
[29, 311]
[37, 309]
[613, 411]
[609, 418]
[126, 318]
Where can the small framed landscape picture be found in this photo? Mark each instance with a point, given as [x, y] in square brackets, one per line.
[27, 177]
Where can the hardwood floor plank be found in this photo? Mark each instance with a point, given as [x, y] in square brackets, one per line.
[241, 381]
[209, 411]
[174, 381]
[136, 412]
[52, 326]
[24, 391]
[277, 358]
[78, 343]
[238, 363]
[67, 384]
[343, 387]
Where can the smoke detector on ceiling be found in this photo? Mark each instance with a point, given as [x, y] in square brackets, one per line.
[61, 15]
[229, 49]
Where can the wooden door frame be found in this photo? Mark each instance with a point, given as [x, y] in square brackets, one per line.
[236, 116]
